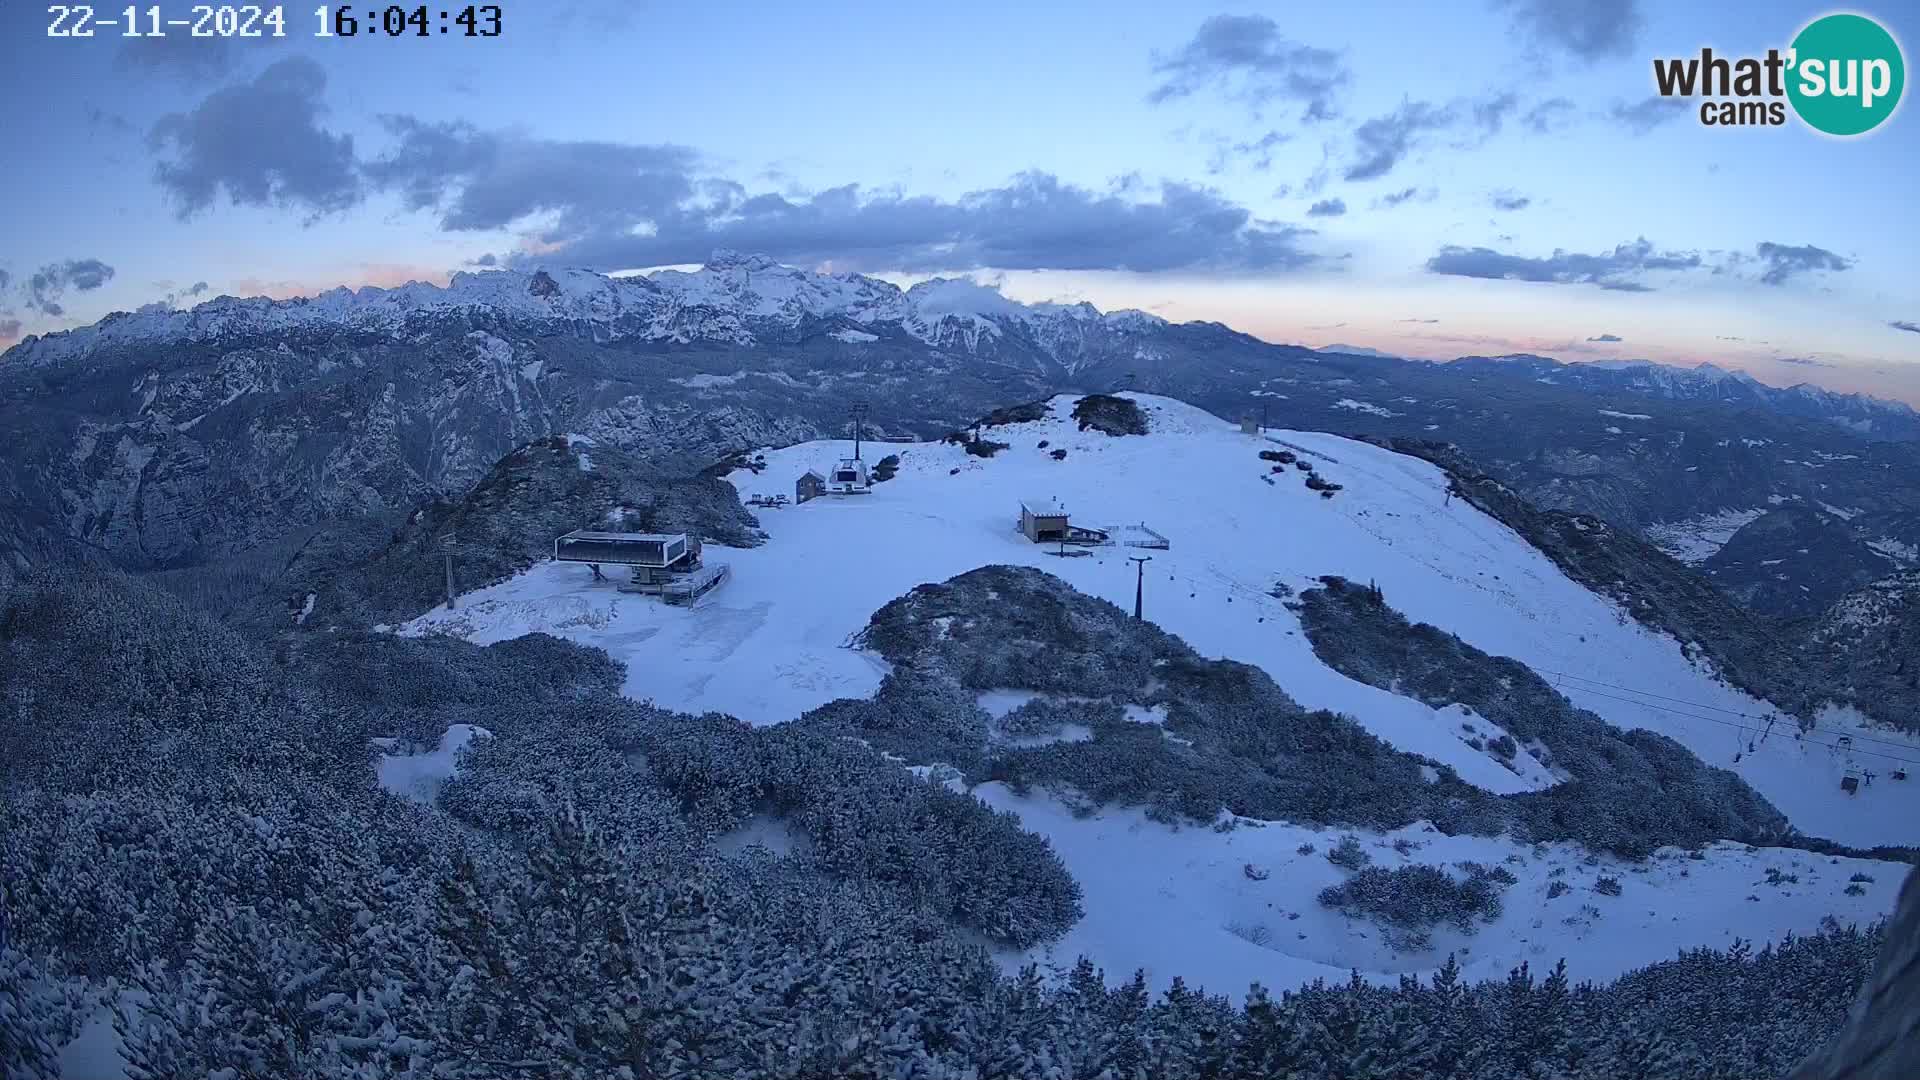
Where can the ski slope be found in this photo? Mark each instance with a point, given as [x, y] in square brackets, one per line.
[772, 643]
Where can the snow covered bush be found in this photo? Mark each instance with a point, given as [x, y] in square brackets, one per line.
[1113, 415]
[1348, 854]
[38, 1015]
[1416, 898]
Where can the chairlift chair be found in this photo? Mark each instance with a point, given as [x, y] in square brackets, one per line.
[1850, 783]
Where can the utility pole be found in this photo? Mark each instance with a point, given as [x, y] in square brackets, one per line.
[1139, 579]
[859, 415]
[446, 549]
[1263, 418]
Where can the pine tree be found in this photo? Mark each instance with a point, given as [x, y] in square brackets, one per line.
[38, 1015]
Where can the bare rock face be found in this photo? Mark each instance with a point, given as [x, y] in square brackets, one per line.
[1882, 1038]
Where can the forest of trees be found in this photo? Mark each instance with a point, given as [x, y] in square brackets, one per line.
[192, 837]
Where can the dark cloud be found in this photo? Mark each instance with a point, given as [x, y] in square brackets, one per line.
[1247, 58]
[45, 287]
[1551, 115]
[486, 180]
[1428, 321]
[1618, 269]
[1036, 221]
[192, 60]
[197, 288]
[1802, 361]
[1902, 324]
[1394, 198]
[1381, 143]
[1607, 338]
[1787, 260]
[1643, 116]
[1327, 208]
[489, 259]
[260, 142]
[5, 279]
[1490, 114]
[1508, 200]
[1586, 30]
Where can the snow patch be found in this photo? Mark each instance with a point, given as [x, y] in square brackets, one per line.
[1363, 406]
[419, 777]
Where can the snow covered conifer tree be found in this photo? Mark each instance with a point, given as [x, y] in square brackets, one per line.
[38, 1015]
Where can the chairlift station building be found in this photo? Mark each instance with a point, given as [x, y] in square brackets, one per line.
[667, 565]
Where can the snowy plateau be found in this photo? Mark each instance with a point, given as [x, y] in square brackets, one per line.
[1225, 907]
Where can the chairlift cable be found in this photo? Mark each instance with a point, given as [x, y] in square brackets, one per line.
[1716, 708]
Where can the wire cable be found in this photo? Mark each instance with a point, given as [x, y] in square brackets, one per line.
[1716, 708]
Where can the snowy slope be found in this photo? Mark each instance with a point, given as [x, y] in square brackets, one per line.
[831, 563]
[1181, 902]
[772, 643]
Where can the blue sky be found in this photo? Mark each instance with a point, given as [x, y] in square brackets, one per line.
[1374, 174]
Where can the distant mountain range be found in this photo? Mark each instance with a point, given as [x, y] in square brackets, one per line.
[157, 438]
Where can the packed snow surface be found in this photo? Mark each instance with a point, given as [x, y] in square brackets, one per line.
[774, 642]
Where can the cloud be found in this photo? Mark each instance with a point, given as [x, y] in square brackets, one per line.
[1902, 324]
[197, 288]
[1247, 58]
[48, 284]
[488, 259]
[1327, 208]
[1643, 116]
[1429, 321]
[1491, 113]
[1508, 200]
[1394, 198]
[1618, 269]
[5, 278]
[1380, 143]
[486, 180]
[1786, 260]
[99, 119]
[1608, 338]
[1258, 152]
[261, 143]
[195, 61]
[1801, 361]
[1586, 30]
[1551, 115]
[1034, 222]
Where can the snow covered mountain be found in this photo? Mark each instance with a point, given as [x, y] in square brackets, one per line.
[1868, 416]
[1247, 531]
[160, 438]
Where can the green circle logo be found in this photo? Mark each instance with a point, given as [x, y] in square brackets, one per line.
[1847, 74]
